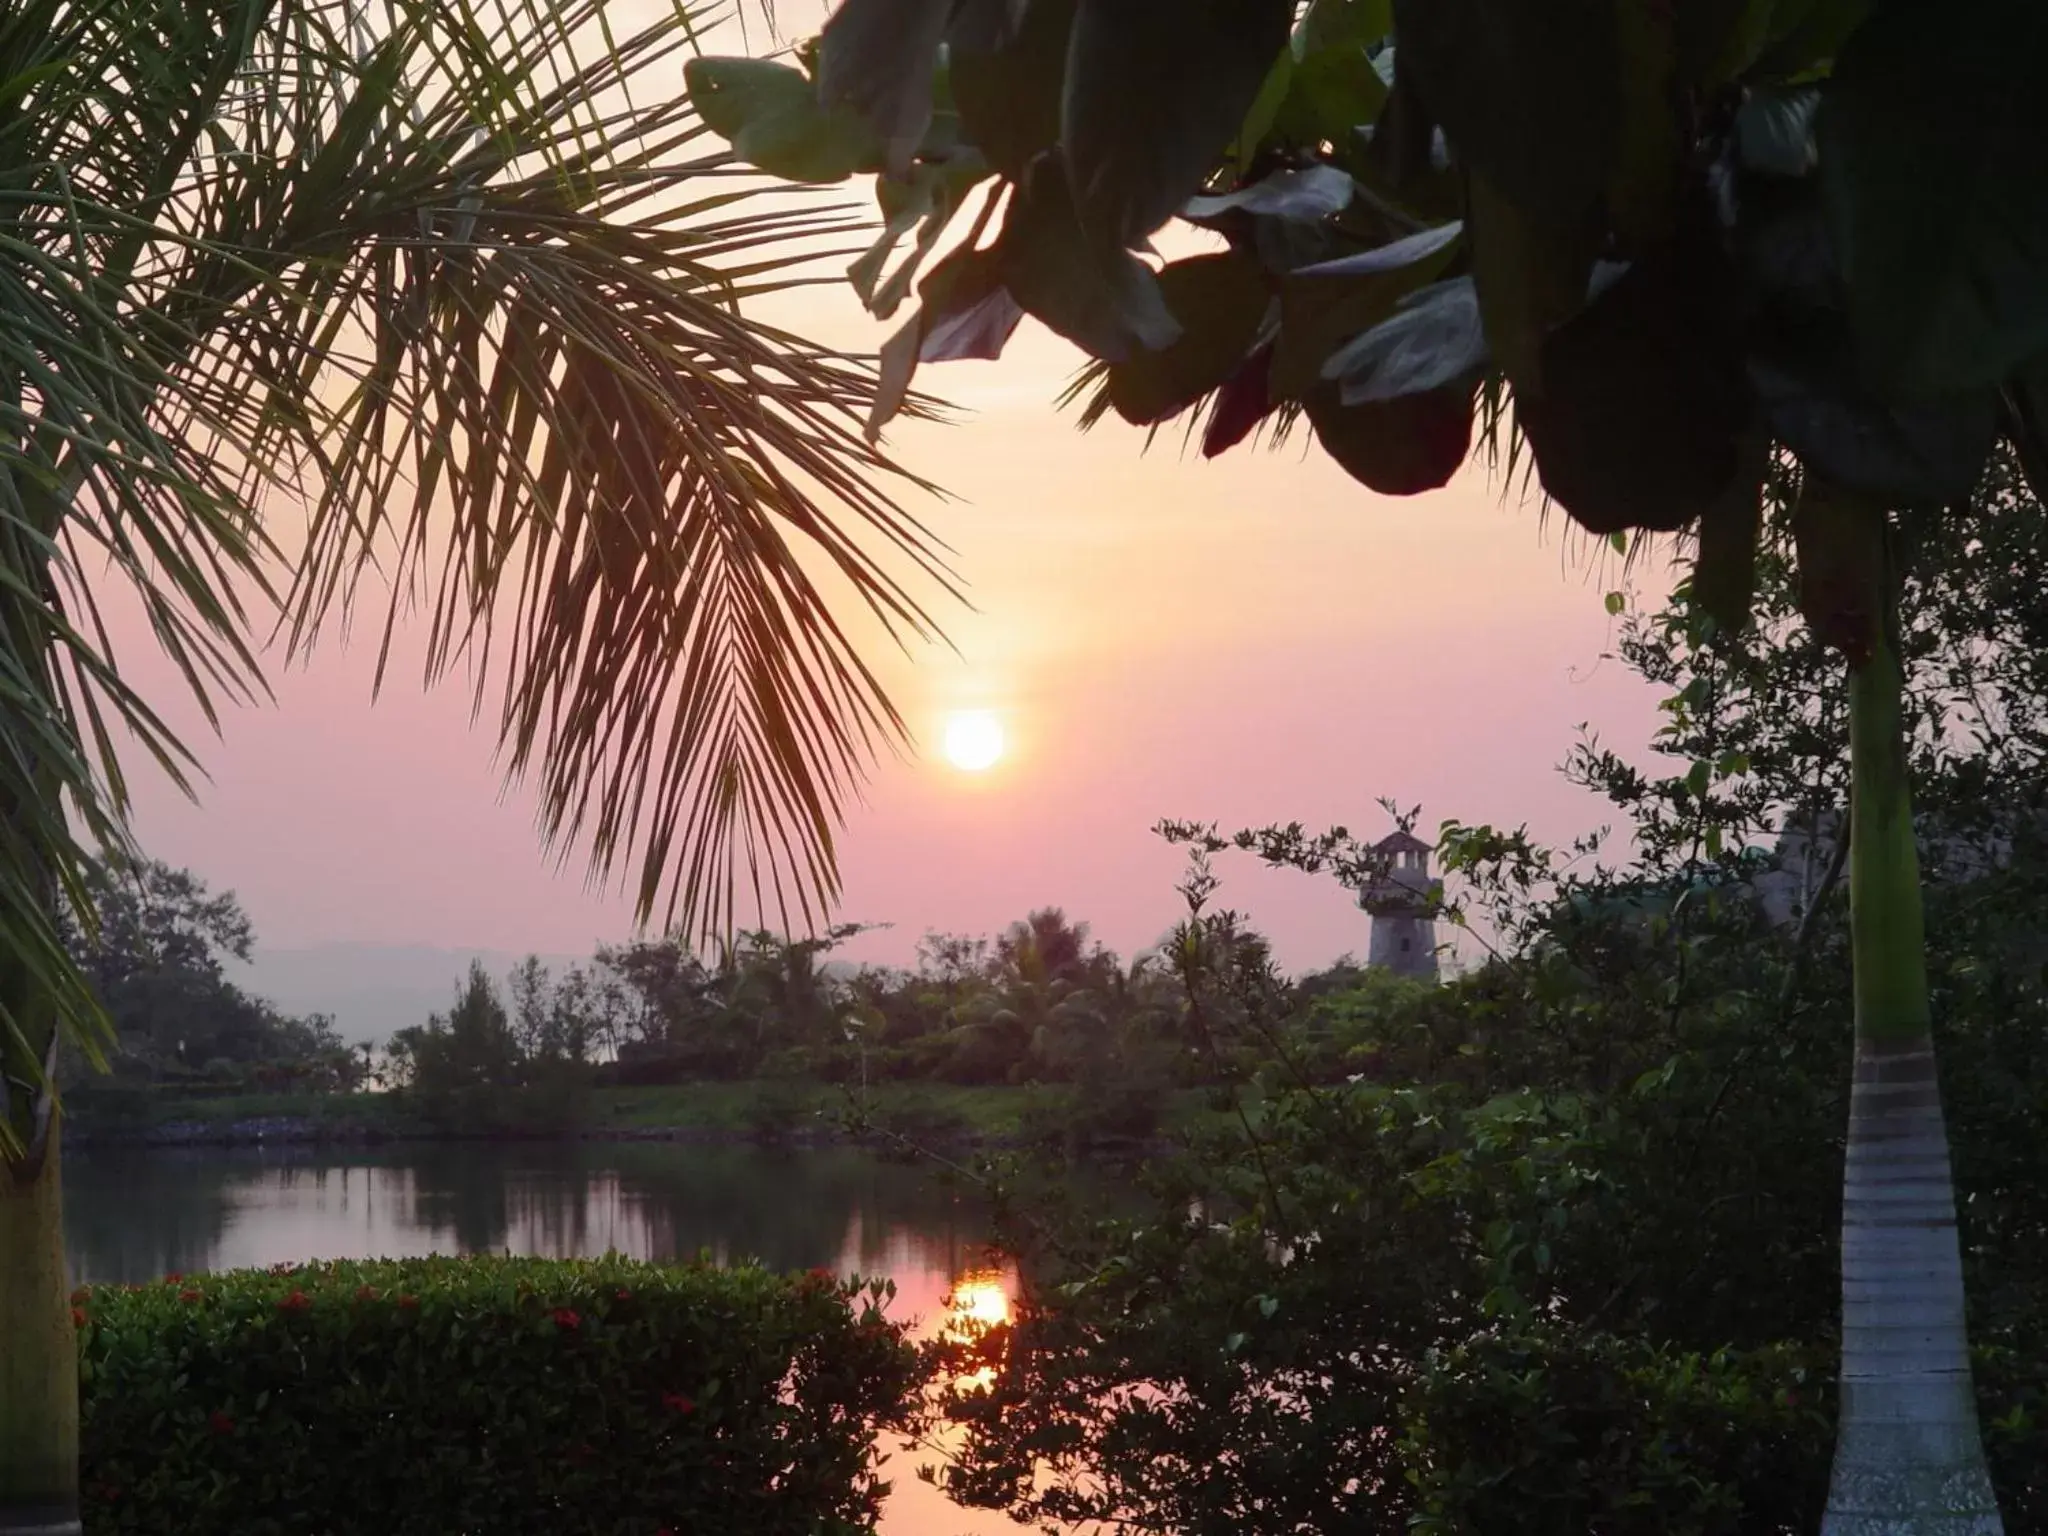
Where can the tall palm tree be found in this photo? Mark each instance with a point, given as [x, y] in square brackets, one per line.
[307, 303]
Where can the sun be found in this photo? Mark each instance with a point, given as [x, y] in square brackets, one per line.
[973, 740]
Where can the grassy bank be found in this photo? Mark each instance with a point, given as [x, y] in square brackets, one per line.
[774, 1110]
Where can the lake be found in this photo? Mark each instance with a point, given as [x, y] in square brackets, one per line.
[134, 1215]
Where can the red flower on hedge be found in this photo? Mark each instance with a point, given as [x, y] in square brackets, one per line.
[579, 1454]
[78, 1317]
[408, 1303]
[173, 1278]
[220, 1423]
[190, 1295]
[675, 1402]
[80, 1296]
[624, 1294]
[366, 1293]
[566, 1319]
[297, 1301]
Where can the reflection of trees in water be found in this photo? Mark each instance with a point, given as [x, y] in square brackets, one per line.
[458, 1194]
[136, 1215]
[795, 1210]
[133, 1216]
[835, 1208]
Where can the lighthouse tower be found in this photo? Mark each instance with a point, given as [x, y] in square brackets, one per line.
[1403, 932]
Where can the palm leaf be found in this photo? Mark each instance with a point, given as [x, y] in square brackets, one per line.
[433, 309]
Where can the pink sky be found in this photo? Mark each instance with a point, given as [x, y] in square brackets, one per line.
[1249, 640]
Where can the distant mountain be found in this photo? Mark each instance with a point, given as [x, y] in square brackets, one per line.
[372, 989]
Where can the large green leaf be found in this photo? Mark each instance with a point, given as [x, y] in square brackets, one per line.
[1008, 96]
[1396, 447]
[1719, 39]
[875, 59]
[1433, 337]
[1332, 91]
[1529, 91]
[1932, 138]
[1220, 301]
[1802, 39]
[1340, 23]
[1724, 572]
[1531, 265]
[770, 115]
[1105, 301]
[1305, 195]
[1928, 452]
[1155, 92]
[965, 311]
[1644, 397]
[1839, 585]
[1803, 362]
[2025, 403]
[1330, 303]
[1260, 118]
[1649, 152]
[925, 202]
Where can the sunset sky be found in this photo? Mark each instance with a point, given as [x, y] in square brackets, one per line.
[1247, 640]
[1250, 640]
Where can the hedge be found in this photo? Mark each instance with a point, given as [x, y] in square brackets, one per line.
[440, 1397]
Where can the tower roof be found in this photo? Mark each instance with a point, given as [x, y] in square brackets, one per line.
[1400, 842]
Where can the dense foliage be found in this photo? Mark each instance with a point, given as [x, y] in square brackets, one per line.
[1553, 1247]
[1562, 1250]
[422, 1398]
[1658, 240]
[155, 959]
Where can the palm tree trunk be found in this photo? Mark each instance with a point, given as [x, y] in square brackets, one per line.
[38, 1344]
[38, 1353]
[1909, 1460]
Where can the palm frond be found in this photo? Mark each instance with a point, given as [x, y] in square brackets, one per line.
[463, 281]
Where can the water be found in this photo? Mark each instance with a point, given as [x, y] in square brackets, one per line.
[137, 1215]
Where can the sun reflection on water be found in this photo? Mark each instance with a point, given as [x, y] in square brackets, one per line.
[981, 1299]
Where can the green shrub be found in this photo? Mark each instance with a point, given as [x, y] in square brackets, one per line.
[108, 1101]
[2012, 1403]
[776, 1110]
[1551, 1431]
[447, 1396]
[918, 1120]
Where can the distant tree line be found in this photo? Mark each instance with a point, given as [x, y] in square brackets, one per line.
[157, 964]
[1040, 1003]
